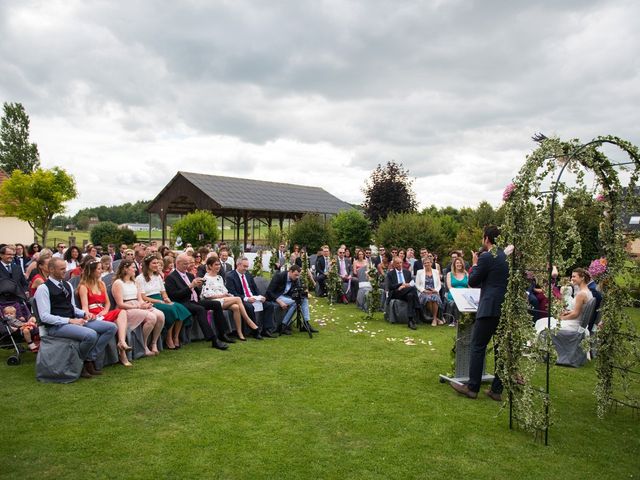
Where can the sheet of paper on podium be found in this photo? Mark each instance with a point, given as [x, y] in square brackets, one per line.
[466, 299]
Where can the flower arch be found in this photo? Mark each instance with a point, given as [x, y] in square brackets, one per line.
[538, 231]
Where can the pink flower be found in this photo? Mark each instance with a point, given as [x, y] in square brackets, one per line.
[508, 191]
[597, 268]
[600, 198]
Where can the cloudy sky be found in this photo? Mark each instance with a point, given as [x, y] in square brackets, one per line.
[124, 94]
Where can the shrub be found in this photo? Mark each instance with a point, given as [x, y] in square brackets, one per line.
[351, 228]
[197, 228]
[105, 233]
[312, 232]
[411, 230]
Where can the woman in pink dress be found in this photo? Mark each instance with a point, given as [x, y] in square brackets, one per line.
[93, 299]
[128, 297]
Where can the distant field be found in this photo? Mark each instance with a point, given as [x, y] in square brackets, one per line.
[56, 236]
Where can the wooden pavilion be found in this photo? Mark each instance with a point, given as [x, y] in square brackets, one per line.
[238, 201]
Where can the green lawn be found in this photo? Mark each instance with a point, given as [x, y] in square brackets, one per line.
[343, 405]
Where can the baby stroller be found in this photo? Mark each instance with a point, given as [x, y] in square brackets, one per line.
[10, 295]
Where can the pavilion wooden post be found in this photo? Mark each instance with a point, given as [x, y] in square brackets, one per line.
[163, 223]
[246, 228]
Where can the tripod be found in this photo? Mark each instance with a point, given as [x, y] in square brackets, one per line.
[299, 322]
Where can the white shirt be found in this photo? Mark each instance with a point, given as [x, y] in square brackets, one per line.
[154, 286]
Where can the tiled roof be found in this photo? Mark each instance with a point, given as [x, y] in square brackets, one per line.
[246, 194]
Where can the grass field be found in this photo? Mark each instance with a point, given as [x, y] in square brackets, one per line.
[342, 405]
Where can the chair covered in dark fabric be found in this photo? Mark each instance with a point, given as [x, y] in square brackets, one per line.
[568, 343]
[364, 287]
[58, 360]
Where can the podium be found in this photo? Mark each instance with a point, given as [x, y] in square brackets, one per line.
[466, 299]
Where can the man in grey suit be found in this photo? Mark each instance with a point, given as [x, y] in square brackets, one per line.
[491, 274]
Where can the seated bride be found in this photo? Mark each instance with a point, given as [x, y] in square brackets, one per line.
[571, 320]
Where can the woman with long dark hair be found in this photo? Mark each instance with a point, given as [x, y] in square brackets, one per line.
[152, 288]
[128, 297]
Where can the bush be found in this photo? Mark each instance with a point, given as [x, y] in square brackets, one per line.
[105, 233]
[411, 230]
[197, 228]
[351, 228]
[311, 232]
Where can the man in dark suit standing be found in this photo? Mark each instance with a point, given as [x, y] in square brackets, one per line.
[400, 288]
[184, 288]
[240, 283]
[8, 269]
[490, 273]
[280, 290]
[323, 264]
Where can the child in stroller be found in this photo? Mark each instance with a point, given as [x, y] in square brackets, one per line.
[28, 329]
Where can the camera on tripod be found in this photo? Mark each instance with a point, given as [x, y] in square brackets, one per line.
[298, 292]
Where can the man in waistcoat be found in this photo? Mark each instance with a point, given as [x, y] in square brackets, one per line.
[60, 316]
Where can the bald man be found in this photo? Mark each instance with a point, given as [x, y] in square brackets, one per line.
[182, 287]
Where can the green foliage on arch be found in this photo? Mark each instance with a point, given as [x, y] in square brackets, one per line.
[526, 226]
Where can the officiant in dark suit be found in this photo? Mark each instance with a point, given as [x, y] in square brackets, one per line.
[182, 287]
[400, 288]
[490, 273]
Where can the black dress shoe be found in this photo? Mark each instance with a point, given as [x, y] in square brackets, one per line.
[215, 343]
[268, 334]
[256, 334]
[227, 339]
[285, 330]
[412, 324]
[308, 328]
[85, 374]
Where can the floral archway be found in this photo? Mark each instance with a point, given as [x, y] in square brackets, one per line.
[539, 231]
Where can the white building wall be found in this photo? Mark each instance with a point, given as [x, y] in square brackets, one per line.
[14, 230]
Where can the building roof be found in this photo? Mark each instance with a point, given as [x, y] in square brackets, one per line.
[231, 193]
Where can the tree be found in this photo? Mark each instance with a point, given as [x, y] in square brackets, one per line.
[36, 197]
[197, 228]
[105, 233]
[411, 230]
[388, 190]
[351, 228]
[16, 153]
[311, 232]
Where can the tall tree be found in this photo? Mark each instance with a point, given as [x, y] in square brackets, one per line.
[16, 152]
[36, 197]
[388, 190]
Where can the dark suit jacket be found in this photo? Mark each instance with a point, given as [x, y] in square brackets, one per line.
[225, 268]
[234, 284]
[23, 265]
[177, 290]
[320, 265]
[491, 276]
[16, 275]
[278, 285]
[392, 279]
[417, 265]
[347, 263]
